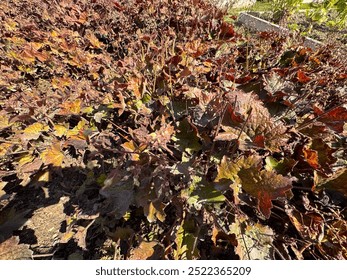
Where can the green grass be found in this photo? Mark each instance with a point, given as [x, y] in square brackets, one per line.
[265, 6]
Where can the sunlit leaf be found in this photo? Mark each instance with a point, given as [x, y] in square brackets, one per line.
[53, 155]
[4, 122]
[335, 119]
[186, 241]
[154, 211]
[33, 132]
[70, 107]
[311, 157]
[309, 225]
[147, 251]
[246, 174]
[60, 130]
[248, 115]
[201, 192]
[254, 240]
[95, 43]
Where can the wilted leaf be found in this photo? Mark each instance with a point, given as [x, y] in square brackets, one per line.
[309, 225]
[311, 157]
[147, 251]
[11, 250]
[53, 155]
[254, 241]
[95, 43]
[282, 167]
[133, 149]
[134, 85]
[4, 122]
[60, 130]
[70, 107]
[335, 119]
[335, 241]
[302, 77]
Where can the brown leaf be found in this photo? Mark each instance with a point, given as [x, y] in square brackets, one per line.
[248, 114]
[147, 251]
[335, 119]
[336, 182]
[310, 225]
[70, 107]
[302, 77]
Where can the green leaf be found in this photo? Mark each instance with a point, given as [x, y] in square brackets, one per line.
[246, 175]
[186, 241]
[201, 192]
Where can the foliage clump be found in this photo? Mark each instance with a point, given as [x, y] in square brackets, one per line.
[171, 130]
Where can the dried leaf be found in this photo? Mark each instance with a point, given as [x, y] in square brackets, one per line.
[254, 241]
[311, 157]
[155, 211]
[309, 225]
[336, 182]
[147, 251]
[70, 107]
[60, 130]
[95, 43]
[53, 155]
[302, 77]
[33, 132]
[335, 119]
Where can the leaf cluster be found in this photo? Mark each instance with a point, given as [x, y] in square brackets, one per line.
[189, 137]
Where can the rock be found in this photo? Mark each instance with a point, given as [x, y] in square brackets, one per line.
[226, 4]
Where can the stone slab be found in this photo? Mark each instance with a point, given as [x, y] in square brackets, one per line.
[258, 24]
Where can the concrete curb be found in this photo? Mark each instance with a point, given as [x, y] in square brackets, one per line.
[258, 24]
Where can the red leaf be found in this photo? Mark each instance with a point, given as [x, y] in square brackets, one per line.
[227, 30]
[302, 77]
[335, 119]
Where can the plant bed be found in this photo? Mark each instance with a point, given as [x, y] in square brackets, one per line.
[158, 130]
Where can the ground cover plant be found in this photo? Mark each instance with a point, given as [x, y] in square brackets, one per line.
[158, 130]
[325, 21]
